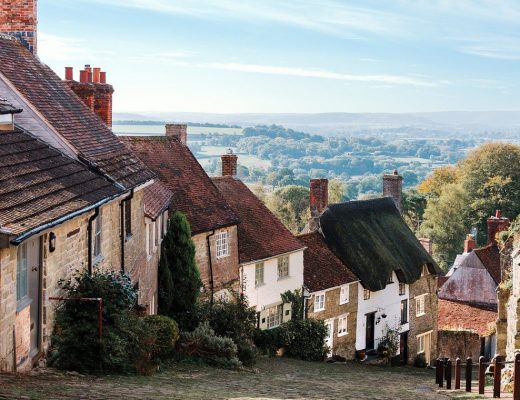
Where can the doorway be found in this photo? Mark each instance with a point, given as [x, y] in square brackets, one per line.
[370, 325]
[403, 347]
[329, 339]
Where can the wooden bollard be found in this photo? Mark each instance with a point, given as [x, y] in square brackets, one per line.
[457, 373]
[468, 374]
[481, 375]
[437, 370]
[516, 381]
[441, 372]
[448, 374]
[497, 375]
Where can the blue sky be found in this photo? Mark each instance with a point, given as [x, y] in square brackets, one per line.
[292, 56]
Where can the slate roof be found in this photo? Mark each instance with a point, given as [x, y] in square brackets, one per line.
[371, 237]
[194, 194]
[73, 120]
[7, 108]
[322, 269]
[157, 198]
[38, 184]
[453, 315]
[261, 235]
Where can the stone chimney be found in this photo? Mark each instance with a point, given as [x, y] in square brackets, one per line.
[229, 163]
[393, 187]
[19, 18]
[93, 90]
[469, 244]
[495, 225]
[178, 131]
[319, 196]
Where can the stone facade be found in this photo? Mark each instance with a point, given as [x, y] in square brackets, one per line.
[427, 322]
[462, 344]
[19, 18]
[343, 345]
[225, 269]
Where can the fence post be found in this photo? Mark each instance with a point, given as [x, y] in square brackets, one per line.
[437, 370]
[457, 373]
[468, 374]
[441, 372]
[516, 377]
[497, 367]
[481, 375]
[448, 374]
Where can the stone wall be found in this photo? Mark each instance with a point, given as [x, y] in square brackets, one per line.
[462, 344]
[344, 346]
[428, 321]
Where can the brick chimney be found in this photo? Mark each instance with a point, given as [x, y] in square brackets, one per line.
[19, 18]
[427, 244]
[393, 187]
[318, 201]
[178, 131]
[495, 225]
[229, 163]
[93, 90]
[469, 244]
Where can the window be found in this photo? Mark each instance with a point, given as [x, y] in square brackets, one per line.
[156, 233]
[149, 239]
[420, 344]
[319, 302]
[423, 343]
[165, 222]
[274, 316]
[419, 305]
[259, 274]
[127, 213]
[283, 267]
[343, 325]
[222, 241]
[390, 278]
[425, 271]
[402, 289]
[404, 311]
[21, 272]
[366, 294]
[344, 294]
[96, 251]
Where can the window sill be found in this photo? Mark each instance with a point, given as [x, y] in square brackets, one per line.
[319, 309]
[129, 237]
[97, 260]
[23, 304]
[420, 315]
[281, 278]
[221, 257]
[259, 285]
[342, 334]
[343, 302]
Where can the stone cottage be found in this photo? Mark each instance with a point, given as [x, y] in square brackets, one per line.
[271, 257]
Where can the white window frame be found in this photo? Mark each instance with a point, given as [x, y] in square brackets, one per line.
[97, 255]
[344, 294]
[149, 239]
[420, 341]
[319, 301]
[403, 286]
[22, 275]
[283, 267]
[367, 294]
[274, 316]
[343, 325]
[259, 274]
[222, 244]
[420, 305]
[165, 222]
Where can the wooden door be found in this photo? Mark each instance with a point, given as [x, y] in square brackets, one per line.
[33, 291]
[403, 347]
[370, 325]
[428, 347]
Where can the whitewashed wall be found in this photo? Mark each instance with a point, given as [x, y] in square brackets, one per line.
[268, 294]
[386, 301]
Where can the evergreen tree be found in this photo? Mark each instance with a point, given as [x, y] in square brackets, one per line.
[179, 278]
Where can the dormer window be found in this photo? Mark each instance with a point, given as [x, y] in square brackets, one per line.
[7, 112]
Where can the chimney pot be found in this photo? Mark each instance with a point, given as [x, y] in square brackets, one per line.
[495, 225]
[229, 163]
[96, 75]
[498, 214]
[102, 77]
[178, 131]
[393, 187]
[69, 73]
[83, 76]
[469, 244]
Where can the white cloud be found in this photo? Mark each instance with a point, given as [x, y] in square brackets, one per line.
[54, 48]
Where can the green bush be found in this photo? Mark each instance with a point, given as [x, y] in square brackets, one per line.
[235, 320]
[388, 345]
[165, 334]
[268, 341]
[203, 344]
[420, 361]
[304, 339]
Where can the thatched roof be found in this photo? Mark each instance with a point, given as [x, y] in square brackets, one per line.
[371, 237]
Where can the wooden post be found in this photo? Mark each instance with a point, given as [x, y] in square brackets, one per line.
[437, 370]
[481, 375]
[457, 373]
[497, 368]
[441, 372]
[468, 374]
[516, 377]
[448, 374]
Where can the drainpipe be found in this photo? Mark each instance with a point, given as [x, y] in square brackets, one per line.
[211, 283]
[89, 234]
[122, 218]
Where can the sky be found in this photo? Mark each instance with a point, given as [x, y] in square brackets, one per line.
[298, 56]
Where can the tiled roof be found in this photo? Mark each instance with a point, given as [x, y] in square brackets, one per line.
[157, 198]
[194, 194]
[371, 237]
[260, 234]
[322, 269]
[68, 115]
[453, 316]
[490, 257]
[38, 184]
[7, 108]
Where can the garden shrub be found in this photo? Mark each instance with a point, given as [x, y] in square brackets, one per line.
[268, 341]
[203, 344]
[420, 361]
[304, 339]
[388, 345]
[165, 334]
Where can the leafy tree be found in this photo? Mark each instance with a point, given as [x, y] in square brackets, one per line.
[179, 278]
[413, 205]
[291, 205]
[337, 192]
[297, 302]
[434, 184]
